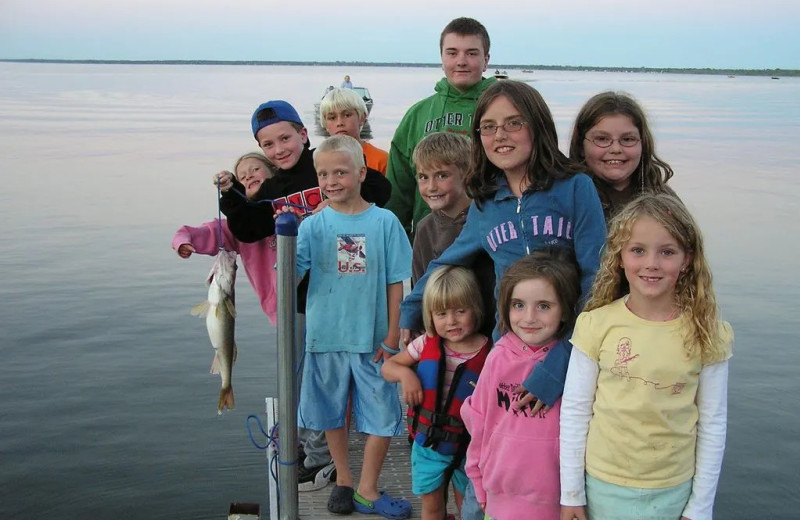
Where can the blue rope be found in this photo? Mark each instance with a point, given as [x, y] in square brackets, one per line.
[272, 440]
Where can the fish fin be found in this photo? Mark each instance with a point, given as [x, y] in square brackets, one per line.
[215, 364]
[235, 354]
[231, 307]
[201, 309]
[226, 399]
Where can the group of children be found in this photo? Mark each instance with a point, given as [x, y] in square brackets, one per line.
[526, 253]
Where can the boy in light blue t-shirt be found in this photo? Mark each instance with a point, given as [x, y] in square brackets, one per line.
[358, 256]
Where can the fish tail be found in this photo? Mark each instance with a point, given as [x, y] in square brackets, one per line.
[226, 399]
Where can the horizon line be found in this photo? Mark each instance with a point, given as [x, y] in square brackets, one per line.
[513, 66]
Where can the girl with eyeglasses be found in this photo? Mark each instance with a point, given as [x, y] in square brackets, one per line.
[612, 140]
[527, 195]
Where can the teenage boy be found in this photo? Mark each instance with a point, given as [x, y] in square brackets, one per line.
[358, 256]
[464, 49]
[343, 112]
[282, 137]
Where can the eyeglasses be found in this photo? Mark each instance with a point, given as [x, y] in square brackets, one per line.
[603, 141]
[515, 125]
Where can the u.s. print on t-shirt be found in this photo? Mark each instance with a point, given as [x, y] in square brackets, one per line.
[351, 254]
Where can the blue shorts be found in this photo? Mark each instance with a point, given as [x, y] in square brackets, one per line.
[609, 501]
[427, 471]
[330, 377]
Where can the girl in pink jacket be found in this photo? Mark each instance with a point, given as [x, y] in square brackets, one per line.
[512, 459]
[258, 258]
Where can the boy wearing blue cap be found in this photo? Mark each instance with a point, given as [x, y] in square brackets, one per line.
[283, 138]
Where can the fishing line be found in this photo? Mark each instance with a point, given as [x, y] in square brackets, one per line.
[219, 221]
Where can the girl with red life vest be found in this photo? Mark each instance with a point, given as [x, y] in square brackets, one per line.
[512, 459]
[449, 358]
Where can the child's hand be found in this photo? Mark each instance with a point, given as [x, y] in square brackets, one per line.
[224, 179]
[527, 399]
[288, 209]
[185, 250]
[412, 390]
[573, 513]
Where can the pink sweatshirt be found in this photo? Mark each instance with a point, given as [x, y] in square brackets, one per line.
[512, 459]
[258, 258]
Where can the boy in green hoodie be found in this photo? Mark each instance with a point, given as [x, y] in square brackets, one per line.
[464, 48]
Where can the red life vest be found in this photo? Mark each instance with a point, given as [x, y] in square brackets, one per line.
[436, 422]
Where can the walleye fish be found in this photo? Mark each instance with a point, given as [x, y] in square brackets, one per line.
[220, 313]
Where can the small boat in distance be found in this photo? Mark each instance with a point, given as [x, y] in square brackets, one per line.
[364, 93]
[775, 77]
[361, 91]
[528, 71]
[500, 75]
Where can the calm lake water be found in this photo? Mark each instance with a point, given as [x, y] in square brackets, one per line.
[108, 407]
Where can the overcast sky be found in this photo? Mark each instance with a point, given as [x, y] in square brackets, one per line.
[629, 33]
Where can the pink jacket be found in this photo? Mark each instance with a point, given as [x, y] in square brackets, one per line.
[512, 459]
[258, 258]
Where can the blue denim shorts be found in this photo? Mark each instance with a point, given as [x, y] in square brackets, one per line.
[606, 501]
[330, 377]
[427, 471]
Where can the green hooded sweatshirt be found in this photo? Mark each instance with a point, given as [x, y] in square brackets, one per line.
[448, 110]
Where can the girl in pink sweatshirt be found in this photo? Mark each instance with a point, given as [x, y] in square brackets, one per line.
[512, 459]
[258, 258]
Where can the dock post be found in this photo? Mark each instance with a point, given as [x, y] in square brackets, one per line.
[286, 231]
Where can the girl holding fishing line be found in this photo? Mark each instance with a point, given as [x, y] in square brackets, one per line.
[258, 258]
[644, 412]
[512, 459]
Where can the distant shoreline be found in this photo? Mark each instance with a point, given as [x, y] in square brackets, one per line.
[503, 67]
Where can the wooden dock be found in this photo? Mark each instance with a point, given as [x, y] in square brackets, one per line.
[395, 480]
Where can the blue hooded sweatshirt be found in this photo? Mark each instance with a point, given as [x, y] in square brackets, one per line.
[569, 215]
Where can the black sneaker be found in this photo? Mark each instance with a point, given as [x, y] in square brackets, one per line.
[312, 479]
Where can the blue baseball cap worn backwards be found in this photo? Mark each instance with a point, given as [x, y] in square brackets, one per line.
[273, 112]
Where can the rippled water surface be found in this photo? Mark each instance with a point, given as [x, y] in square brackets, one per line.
[108, 408]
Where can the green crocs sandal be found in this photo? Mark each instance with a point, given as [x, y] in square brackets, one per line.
[386, 506]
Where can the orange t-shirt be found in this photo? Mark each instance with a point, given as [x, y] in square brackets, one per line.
[377, 159]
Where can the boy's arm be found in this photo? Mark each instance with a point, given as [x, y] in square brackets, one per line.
[376, 188]
[546, 381]
[712, 405]
[248, 221]
[394, 295]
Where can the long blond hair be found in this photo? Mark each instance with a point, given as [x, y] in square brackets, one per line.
[694, 293]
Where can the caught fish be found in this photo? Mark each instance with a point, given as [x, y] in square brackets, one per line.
[220, 313]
